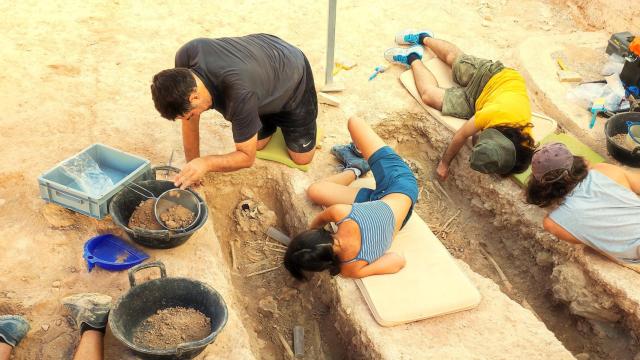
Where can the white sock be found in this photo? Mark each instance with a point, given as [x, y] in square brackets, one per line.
[355, 171]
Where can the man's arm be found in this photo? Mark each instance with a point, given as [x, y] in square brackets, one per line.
[191, 137]
[243, 157]
[457, 142]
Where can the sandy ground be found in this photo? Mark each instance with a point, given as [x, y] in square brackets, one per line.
[78, 72]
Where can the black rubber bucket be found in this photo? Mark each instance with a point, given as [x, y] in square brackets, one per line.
[144, 300]
[125, 202]
[617, 124]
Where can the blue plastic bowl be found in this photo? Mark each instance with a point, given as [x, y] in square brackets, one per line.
[111, 253]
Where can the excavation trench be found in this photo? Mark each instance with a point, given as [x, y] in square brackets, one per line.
[245, 203]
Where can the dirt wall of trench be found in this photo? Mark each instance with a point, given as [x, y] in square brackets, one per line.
[503, 201]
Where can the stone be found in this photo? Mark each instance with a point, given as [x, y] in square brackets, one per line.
[57, 216]
[56, 284]
[568, 76]
[582, 356]
[58, 322]
[287, 294]
[268, 306]
[544, 258]
[570, 285]
[45, 327]
[328, 99]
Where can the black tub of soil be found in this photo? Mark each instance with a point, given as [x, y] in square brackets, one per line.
[167, 318]
[617, 125]
[145, 230]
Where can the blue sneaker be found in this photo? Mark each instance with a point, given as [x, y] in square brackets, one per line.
[400, 55]
[411, 37]
[13, 328]
[350, 158]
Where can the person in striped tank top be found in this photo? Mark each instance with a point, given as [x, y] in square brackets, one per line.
[367, 219]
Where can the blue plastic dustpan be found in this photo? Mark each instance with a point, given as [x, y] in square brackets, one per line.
[111, 253]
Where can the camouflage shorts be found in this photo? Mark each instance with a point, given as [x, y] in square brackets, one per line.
[472, 74]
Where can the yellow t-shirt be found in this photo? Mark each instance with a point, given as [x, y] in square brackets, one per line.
[504, 101]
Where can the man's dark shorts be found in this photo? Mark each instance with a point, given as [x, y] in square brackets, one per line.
[300, 138]
[472, 74]
[392, 175]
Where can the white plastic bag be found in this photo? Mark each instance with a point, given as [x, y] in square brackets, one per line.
[87, 174]
[613, 65]
[584, 94]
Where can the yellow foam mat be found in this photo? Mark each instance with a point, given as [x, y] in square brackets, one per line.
[431, 283]
[276, 150]
[542, 124]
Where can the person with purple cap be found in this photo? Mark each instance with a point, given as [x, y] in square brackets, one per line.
[597, 205]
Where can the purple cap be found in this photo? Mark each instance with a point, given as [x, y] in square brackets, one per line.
[550, 157]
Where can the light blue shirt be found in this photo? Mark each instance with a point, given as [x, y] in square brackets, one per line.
[603, 214]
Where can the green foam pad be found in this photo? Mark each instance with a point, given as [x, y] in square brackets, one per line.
[276, 150]
[576, 146]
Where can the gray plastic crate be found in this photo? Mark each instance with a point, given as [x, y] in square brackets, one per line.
[121, 167]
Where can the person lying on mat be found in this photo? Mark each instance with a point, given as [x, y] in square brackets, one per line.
[494, 99]
[257, 82]
[367, 220]
[596, 205]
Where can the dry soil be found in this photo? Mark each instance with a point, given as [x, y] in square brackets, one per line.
[170, 327]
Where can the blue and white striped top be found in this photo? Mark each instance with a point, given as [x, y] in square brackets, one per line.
[377, 223]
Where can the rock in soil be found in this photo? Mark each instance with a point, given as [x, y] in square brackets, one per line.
[177, 217]
[170, 327]
[144, 217]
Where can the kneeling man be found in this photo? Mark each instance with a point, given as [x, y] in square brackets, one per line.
[257, 82]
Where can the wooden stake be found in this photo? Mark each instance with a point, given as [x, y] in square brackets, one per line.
[234, 261]
[506, 282]
[446, 194]
[450, 220]
[262, 271]
[286, 346]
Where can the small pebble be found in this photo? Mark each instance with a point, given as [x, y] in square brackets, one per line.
[56, 284]
[45, 327]
[11, 295]
[58, 322]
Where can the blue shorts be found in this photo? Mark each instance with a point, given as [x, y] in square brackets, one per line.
[392, 176]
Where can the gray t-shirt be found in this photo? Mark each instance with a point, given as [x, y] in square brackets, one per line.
[247, 77]
[603, 214]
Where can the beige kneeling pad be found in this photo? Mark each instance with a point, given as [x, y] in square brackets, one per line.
[430, 284]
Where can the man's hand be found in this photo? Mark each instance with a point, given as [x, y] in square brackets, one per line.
[192, 173]
[442, 171]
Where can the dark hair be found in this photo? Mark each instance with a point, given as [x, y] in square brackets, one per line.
[524, 144]
[546, 193]
[311, 250]
[170, 91]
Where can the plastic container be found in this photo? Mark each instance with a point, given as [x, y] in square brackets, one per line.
[121, 167]
[633, 137]
[617, 124]
[125, 202]
[144, 300]
[111, 253]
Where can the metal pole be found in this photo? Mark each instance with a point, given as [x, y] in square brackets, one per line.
[331, 42]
